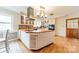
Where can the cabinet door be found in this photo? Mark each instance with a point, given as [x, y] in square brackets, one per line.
[75, 33]
[22, 19]
[25, 38]
[33, 39]
[69, 33]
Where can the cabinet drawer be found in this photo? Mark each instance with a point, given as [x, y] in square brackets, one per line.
[33, 41]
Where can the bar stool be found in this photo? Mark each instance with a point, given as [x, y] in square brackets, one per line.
[4, 40]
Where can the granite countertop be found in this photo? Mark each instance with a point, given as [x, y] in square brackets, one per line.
[38, 31]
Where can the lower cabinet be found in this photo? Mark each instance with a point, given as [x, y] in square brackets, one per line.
[33, 39]
[36, 40]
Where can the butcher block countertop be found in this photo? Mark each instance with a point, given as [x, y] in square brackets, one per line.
[37, 31]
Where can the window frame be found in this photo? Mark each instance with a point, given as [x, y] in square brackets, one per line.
[8, 22]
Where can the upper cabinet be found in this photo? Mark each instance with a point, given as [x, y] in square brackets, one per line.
[27, 20]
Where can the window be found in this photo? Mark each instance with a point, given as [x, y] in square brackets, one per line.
[5, 23]
[72, 23]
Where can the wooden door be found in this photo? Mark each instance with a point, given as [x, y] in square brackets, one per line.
[72, 28]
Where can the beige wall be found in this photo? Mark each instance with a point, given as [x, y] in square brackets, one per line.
[15, 17]
[51, 20]
[73, 15]
[60, 26]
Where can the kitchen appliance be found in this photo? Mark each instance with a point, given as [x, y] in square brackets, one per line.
[51, 27]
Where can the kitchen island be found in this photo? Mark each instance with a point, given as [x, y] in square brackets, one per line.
[36, 39]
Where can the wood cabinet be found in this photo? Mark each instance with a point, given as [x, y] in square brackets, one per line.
[26, 27]
[72, 28]
[22, 20]
[26, 23]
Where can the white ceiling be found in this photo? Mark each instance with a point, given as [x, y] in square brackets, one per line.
[56, 10]
[64, 10]
[17, 9]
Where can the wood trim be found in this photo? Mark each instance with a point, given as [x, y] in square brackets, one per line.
[71, 18]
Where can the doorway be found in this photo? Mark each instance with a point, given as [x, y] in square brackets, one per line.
[72, 28]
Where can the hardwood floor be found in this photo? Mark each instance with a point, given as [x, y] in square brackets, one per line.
[60, 45]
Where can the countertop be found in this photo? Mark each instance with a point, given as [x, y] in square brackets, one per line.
[38, 31]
